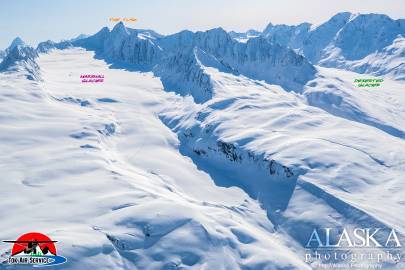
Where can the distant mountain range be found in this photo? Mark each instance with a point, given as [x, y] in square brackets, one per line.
[281, 54]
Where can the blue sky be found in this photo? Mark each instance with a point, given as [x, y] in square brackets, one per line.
[39, 20]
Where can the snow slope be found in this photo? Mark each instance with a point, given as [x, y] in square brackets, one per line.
[329, 156]
[388, 62]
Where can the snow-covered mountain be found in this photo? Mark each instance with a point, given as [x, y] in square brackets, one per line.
[345, 41]
[18, 55]
[16, 42]
[206, 150]
[131, 47]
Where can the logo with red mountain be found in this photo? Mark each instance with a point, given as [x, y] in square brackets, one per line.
[36, 249]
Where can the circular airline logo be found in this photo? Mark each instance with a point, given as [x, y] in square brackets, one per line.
[36, 249]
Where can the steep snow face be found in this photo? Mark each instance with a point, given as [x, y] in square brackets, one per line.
[140, 51]
[130, 199]
[215, 41]
[184, 73]
[321, 36]
[262, 60]
[291, 36]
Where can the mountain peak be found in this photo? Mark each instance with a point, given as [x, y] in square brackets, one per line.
[16, 42]
[268, 28]
[120, 27]
[219, 30]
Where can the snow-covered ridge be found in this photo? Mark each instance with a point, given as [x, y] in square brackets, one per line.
[49, 45]
[244, 37]
[257, 58]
